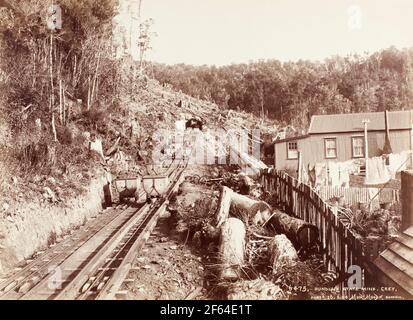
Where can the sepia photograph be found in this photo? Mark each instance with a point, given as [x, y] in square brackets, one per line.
[204, 151]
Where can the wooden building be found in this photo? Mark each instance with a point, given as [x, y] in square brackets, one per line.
[340, 137]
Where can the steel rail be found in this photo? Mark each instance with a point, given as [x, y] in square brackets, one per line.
[110, 276]
[107, 228]
[55, 254]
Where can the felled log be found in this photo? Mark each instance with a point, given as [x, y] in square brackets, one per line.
[300, 232]
[255, 290]
[251, 207]
[232, 249]
[283, 253]
[224, 204]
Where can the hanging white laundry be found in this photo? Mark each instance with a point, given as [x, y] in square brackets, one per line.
[399, 161]
[320, 174]
[333, 174]
[374, 198]
[352, 166]
[393, 164]
[344, 175]
[304, 175]
[377, 171]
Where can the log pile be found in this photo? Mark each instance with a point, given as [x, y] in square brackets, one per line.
[288, 233]
[248, 239]
[301, 233]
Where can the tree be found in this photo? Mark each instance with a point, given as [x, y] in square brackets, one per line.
[289, 92]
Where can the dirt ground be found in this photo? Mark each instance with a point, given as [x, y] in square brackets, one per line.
[166, 269]
[177, 265]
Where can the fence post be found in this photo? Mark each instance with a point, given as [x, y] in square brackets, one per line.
[407, 199]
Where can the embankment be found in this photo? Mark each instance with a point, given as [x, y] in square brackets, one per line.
[36, 226]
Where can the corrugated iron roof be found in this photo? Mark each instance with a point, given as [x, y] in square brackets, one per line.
[291, 139]
[396, 262]
[352, 122]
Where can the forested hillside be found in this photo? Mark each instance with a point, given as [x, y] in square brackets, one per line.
[60, 85]
[293, 91]
[54, 79]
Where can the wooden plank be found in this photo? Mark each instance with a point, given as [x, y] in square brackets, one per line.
[394, 274]
[398, 262]
[336, 243]
[342, 248]
[409, 232]
[405, 252]
[406, 240]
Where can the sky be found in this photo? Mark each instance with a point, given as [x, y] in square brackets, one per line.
[220, 32]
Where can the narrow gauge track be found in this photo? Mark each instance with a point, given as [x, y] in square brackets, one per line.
[93, 262]
[38, 268]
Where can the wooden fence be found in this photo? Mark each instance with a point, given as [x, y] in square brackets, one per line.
[354, 196]
[340, 248]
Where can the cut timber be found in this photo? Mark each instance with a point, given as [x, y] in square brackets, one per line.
[283, 253]
[255, 290]
[223, 206]
[259, 210]
[300, 232]
[242, 201]
[232, 248]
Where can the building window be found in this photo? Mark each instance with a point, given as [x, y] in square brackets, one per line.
[358, 146]
[330, 145]
[292, 150]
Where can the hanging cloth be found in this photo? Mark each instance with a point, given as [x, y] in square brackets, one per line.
[377, 172]
[320, 174]
[333, 174]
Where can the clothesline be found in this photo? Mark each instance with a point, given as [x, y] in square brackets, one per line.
[337, 174]
[398, 169]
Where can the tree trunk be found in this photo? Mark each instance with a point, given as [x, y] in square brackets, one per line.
[232, 249]
[51, 73]
[54, 128]
[300, 232]
[259, 210]
[223, 206]
[283, 254]
[60, 102]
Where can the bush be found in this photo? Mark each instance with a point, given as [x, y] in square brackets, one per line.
[64, 135]
[94, 118]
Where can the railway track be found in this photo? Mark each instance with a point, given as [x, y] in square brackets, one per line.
[95, 260]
